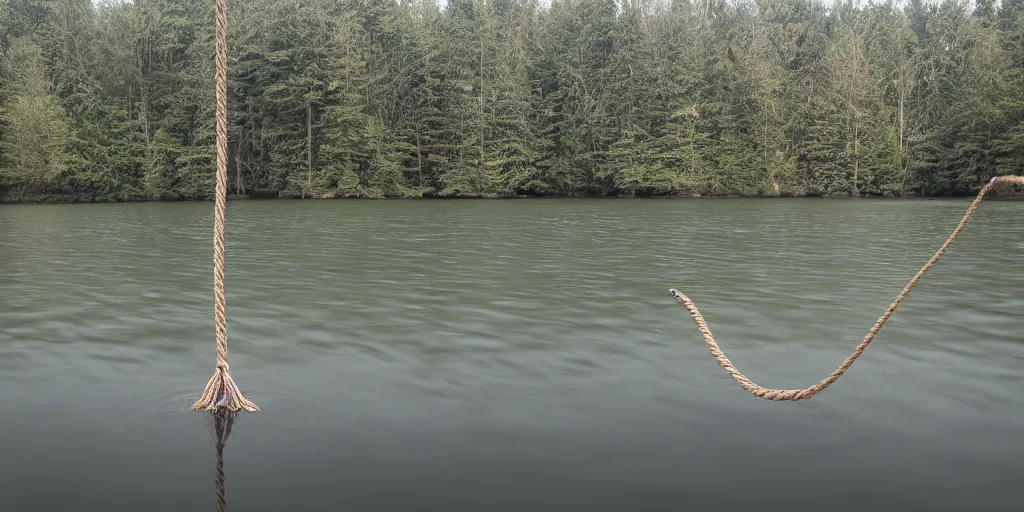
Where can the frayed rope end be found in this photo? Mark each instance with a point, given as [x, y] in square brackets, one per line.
[222, 393]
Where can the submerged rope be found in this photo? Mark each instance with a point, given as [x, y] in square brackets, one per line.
[221, 421]
[221, 391]
[801, 394]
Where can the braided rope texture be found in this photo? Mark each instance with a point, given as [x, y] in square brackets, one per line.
[802, 394]
[221, 391]
[220, 423]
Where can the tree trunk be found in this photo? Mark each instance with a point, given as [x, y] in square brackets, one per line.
[856, 158]
[419, 155]
[693, 148]
[238, 163]
[309, 148]
[483, 121]
[903, 88]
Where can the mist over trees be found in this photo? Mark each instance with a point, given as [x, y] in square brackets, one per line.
[491, 98]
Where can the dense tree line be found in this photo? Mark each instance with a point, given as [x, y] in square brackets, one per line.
[507, 97]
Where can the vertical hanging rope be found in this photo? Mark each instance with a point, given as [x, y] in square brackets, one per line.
[221, 391]
[221, 421]
[801, 394]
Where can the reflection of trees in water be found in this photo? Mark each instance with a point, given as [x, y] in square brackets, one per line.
[219, 424]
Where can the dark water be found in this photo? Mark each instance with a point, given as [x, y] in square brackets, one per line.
[512, 355]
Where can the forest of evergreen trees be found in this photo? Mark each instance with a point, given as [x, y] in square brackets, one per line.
[114, 101]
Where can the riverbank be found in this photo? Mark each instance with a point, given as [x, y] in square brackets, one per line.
[65, 195]
[993, 195]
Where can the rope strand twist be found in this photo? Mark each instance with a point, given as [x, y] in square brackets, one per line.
[221, 391]
[802, 394]
[219, 426]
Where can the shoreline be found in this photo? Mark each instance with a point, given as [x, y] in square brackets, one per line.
[245, 197]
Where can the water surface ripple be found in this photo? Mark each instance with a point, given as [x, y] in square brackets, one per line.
[512, 355]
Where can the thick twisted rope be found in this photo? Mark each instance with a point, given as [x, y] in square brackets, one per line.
[221, 421]
[801, 394]
[221, 391]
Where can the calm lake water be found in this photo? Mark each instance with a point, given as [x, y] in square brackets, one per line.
[512, 355]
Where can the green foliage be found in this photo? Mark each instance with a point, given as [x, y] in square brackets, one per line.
[490, 98]
[37, 131]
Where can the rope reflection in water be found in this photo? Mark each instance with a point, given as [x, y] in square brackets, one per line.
[219, 423]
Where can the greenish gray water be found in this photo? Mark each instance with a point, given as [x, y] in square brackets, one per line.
[512, 355]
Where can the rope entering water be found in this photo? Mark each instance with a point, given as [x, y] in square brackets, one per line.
[221, 391]
[801, 394]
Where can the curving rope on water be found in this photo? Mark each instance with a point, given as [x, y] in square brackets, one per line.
[801, 394]
[221, 391]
